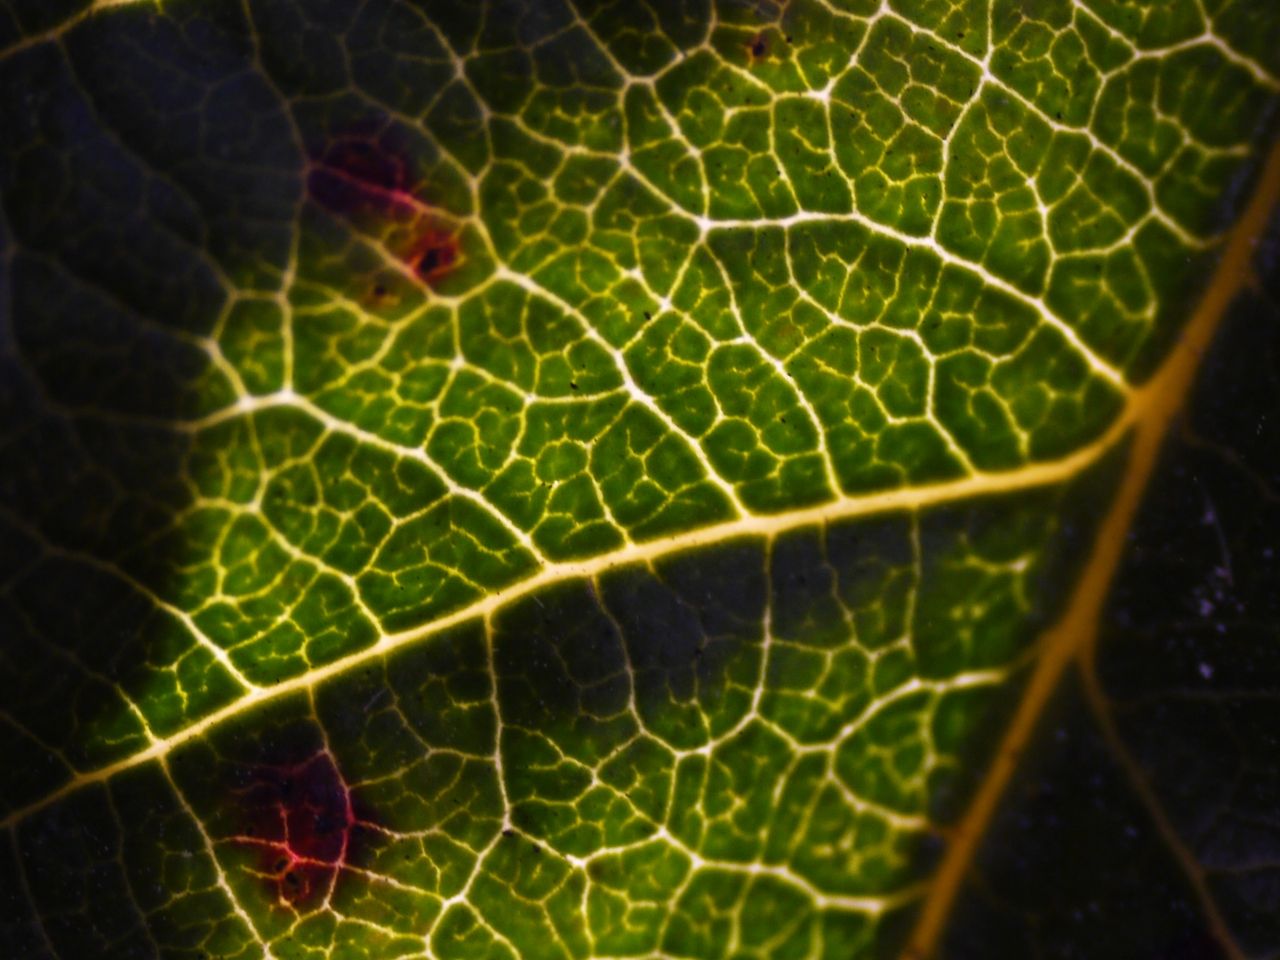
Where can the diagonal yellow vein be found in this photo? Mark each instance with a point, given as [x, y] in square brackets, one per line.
[755, 525]
[1154, 406]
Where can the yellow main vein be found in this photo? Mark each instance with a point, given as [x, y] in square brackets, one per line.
[909, 498]
[1153, 407]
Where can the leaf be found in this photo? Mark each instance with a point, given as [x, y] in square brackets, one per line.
[548, 479]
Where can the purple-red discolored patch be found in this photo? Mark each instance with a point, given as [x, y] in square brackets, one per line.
[301, 819]
[362, 181]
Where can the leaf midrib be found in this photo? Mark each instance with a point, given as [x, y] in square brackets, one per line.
[751, 525]
[1074, 637]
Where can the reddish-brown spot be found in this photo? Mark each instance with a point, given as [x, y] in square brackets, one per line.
[377, 190]
[301, 821]
[758, 47]
[354, 175]
[433, 255]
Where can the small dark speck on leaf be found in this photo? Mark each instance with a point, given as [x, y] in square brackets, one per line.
[433, 259]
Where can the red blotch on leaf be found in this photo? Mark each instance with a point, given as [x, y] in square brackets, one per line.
[354, 176]
[376, 189]
[301, 820]
[434, 255]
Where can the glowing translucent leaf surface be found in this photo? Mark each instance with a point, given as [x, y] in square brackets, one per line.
[568, 478]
